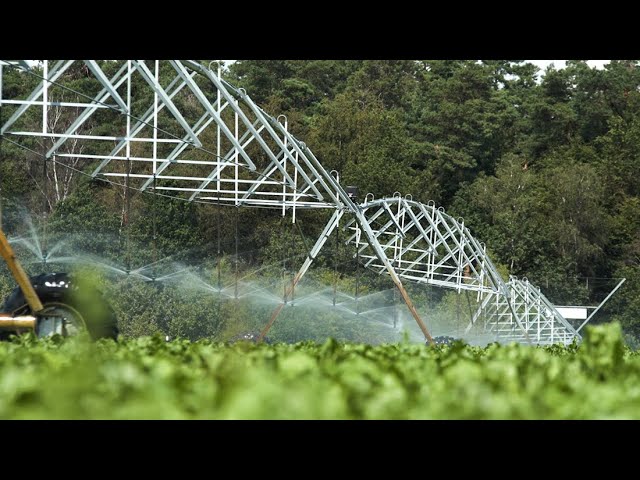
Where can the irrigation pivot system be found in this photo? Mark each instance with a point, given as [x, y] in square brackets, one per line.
[231, 152]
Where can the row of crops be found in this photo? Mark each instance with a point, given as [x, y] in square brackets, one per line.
[150, 378]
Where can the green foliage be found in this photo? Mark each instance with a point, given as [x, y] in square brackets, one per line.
[83, 217]
[144, 308]
[148, 378]
[360, 138]
[548, 225]
[174, 224]
[299, 84]
[625, 304]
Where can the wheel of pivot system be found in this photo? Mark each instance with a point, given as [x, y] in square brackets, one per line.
[70, 307]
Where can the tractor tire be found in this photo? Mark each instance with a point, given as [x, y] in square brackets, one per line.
[61, 292]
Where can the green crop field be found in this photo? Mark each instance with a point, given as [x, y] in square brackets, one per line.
[150, 378]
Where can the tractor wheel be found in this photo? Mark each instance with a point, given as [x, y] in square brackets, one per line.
[69, 307]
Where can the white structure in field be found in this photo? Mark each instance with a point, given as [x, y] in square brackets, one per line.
[250, 159]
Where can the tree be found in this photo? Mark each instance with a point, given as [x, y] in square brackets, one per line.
[462, 122]
[550, 226]
[365, 142]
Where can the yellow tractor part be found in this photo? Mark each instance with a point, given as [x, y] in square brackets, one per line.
[8, 322]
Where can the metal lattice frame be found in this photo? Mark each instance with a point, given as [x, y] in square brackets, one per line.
[230, 152]
[256, 161]
[428, 246]
[543, 323]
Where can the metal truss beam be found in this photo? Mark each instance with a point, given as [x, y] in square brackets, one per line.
[230, 152]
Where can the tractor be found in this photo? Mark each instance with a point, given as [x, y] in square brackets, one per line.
[53, 303]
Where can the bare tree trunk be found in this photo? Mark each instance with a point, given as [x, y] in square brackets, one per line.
[61, 172]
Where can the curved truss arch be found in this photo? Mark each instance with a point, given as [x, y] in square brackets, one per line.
[428, 246]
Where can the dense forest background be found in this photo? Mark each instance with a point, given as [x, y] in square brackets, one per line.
[545, 171]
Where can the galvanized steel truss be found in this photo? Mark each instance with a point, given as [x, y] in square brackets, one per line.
[540, 319]
[252, 161]
[426, 245]
[228, 151]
